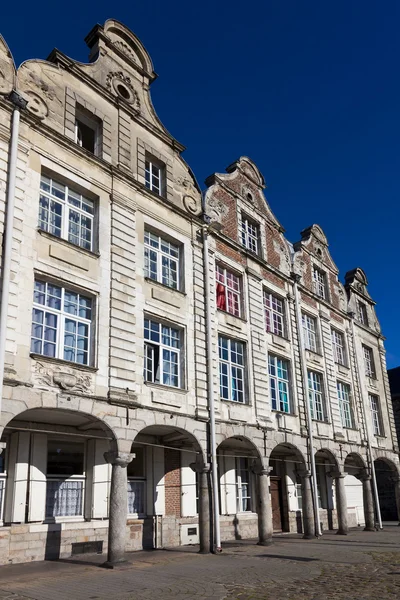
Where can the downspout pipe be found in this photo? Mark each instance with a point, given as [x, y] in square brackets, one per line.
[296, 279]
[364, 398]
[19, 104]
[210, 386]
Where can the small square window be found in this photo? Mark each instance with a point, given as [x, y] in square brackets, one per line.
[88, 130]
[155, 175]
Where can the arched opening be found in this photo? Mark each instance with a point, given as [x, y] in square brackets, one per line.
[53, 472]
[354, 466]
[238, 459]
[163, 488]
[386, 475]
[325, 465]
[287, 464]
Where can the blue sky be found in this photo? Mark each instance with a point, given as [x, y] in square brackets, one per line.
[309, 90]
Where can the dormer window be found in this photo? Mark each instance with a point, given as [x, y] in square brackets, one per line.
[88, 130]
[154, 175]
[250, 235]
[319, 281]
[362, 315]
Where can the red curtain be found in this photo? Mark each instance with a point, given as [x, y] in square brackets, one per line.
[221, 299]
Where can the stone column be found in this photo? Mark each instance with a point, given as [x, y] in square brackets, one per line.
[341, 502]
[118, 510]
[308, 509]
[396, 481]
[368, 500]
[265, 528]
[203, 472]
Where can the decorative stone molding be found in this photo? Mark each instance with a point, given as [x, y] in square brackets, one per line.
[216, 209]
[36, 105]
[121, 85]
[64, 377]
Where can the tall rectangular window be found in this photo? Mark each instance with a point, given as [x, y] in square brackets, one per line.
[231, 369]
[65, 213]
[375, 414]
[274, 314]
[338, 347]
[243, 485]
[61, 323]
[278, 369]
[362, 315]
[228, 291]
[88, 130]
[65, 479]
[319, 281]
[250, 235]
[154, 175]
[310, 332]
[136, 472]
[162, 353]
[161, 260]
[315, 396]
[343, 392]
[369, 362]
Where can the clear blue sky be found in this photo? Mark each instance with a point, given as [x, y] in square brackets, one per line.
[310, 90]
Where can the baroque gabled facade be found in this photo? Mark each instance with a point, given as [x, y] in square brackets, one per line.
[134, 302]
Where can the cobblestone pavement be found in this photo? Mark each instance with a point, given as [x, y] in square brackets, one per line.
[360, 566]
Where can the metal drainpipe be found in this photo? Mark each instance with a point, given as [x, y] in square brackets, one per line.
[19, 104]
[296, 277]
[362, 392]
[211, 405]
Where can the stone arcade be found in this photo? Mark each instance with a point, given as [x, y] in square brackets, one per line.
[105, 404]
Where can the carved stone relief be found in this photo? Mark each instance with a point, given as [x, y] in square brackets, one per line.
[36, 105]
[121, 85]
[63, 377]
[216, 209]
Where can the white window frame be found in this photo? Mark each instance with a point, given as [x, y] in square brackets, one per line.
[61, 316]
[362, 313]
[244, 485]
[315, 388]
[309, 330]
[369, 362]
[344, 400]
[67, 209]
[165, 251]
[235, 371]
[174, 333]
[250, 235]
[92, 122]
[140, 480]
[319, 281]
[232, 284]
[338, 345]
[376, 416]
[279, 382]
[154, 175]
[3, 482]
[274, 310]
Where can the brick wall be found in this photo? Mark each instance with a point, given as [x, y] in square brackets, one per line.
[172, 460]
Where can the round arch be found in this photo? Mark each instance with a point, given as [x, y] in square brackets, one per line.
[387, 477]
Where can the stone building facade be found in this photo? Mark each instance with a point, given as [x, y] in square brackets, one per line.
[105, 414]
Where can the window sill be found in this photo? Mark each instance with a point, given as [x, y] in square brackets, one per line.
[236, 402]
[68, 244]
[163, 286]
[60, 361]
[169, 388]
[228, 314]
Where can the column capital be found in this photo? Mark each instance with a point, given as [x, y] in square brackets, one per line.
[363, 475]
[264, 471]
[200, 467]
[336, 474]
[121, 459]
[304, 473]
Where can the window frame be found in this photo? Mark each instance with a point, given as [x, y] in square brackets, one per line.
[151, 358]
[91, 121]
[277, 380]
[316, 396]
[152, 163]
[231, 366]
[310, 334]
[338, 349]
[272, 315]
[240, 497]
[369, 362]
[320, 286]
[362, 313]
[376, 415]
[139, 479]
[343, 391]
[245, 236]
[61, 316]
[229, 291]
[159, 261]
[66, 209]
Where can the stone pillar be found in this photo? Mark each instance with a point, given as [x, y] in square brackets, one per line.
[396, 481]
[369, 511]
[341, 502]
[203, 472]
[308, 509]
[118, 510]
[265, 528]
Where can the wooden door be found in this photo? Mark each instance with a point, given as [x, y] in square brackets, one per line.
[275, 488]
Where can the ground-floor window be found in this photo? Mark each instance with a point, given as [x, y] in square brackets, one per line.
[65, 479]
[137, 482]
[244, 485]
